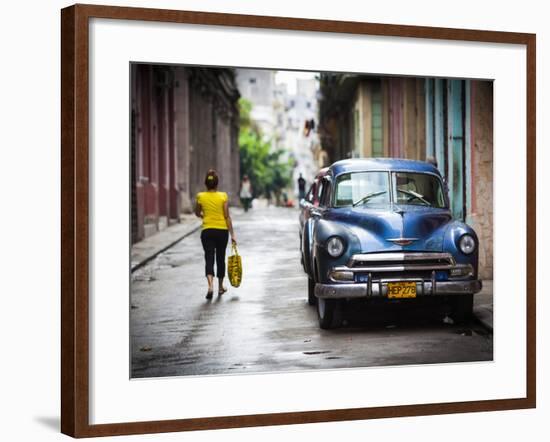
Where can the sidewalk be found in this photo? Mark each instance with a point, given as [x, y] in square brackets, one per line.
[147, 249]
[483, 305]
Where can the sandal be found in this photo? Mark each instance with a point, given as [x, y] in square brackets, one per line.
[209, 294]
[222, 291]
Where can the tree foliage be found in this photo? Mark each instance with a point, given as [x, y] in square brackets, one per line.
[265, 167]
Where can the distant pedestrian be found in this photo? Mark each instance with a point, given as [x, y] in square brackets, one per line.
[246, 193]
[212, 207]
[268, 194]
[301, 187]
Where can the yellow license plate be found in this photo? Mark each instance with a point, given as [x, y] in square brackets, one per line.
[401, 289]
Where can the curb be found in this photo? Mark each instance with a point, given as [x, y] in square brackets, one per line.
[164, 248]
[480, 317]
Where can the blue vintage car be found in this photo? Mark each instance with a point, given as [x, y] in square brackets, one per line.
[383, 229]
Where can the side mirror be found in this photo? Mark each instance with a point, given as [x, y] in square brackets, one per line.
[315, 212]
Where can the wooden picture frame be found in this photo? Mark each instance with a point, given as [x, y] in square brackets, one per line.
[75, 219]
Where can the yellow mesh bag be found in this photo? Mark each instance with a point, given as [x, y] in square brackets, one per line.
[235, 267]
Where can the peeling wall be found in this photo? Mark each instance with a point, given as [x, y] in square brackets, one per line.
[185, 121]
[481, 216]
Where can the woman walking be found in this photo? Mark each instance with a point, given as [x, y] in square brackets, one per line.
[246, 193]
[211, 206]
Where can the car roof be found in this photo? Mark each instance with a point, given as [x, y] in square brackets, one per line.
[365, 164]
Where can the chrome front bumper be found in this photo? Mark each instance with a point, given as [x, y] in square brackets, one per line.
[378, 289]
[381, 269]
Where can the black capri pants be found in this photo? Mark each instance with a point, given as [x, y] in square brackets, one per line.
[214, 243]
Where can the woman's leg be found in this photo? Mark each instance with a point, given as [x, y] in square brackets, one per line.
[210, 280]
[209, 246]
[221, 245]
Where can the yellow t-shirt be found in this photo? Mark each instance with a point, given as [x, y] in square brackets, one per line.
[212, 209]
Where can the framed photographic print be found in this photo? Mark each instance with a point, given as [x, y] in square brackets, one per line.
[272, 220]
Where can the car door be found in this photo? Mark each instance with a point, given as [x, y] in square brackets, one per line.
[306, 205]
[313, 214]
[316, 213]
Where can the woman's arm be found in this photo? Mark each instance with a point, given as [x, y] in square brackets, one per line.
[198, 210]
[229, 222]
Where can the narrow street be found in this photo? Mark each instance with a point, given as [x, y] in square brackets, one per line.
[266, 324]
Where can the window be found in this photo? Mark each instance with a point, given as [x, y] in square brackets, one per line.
[419, 189]
[319, 190]
[362, 188]
[324, 197]
[310, 193]
[377, 123]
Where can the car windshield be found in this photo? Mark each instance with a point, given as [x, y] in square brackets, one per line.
[418, 189]
[358, 188]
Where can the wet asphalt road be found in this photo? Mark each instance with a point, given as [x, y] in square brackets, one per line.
[266, 323]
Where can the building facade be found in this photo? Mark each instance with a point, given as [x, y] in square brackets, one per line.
[459, 135]
[184, 120]
[364, 116]
[282, 116]
[258, 87]
[449, 121]
[300, 129]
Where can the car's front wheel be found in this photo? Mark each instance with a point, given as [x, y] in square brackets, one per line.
[329, 313]
[463, 307]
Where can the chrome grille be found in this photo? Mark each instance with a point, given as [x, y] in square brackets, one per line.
[401, 261]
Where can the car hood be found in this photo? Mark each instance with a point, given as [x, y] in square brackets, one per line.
[375, 225]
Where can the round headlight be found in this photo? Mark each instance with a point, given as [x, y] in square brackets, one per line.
[467, 244]
[335, 247]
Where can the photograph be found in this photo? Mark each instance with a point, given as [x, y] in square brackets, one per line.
[286, 221]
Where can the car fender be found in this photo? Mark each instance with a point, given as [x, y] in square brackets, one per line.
[455, 230]
[324, 229]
